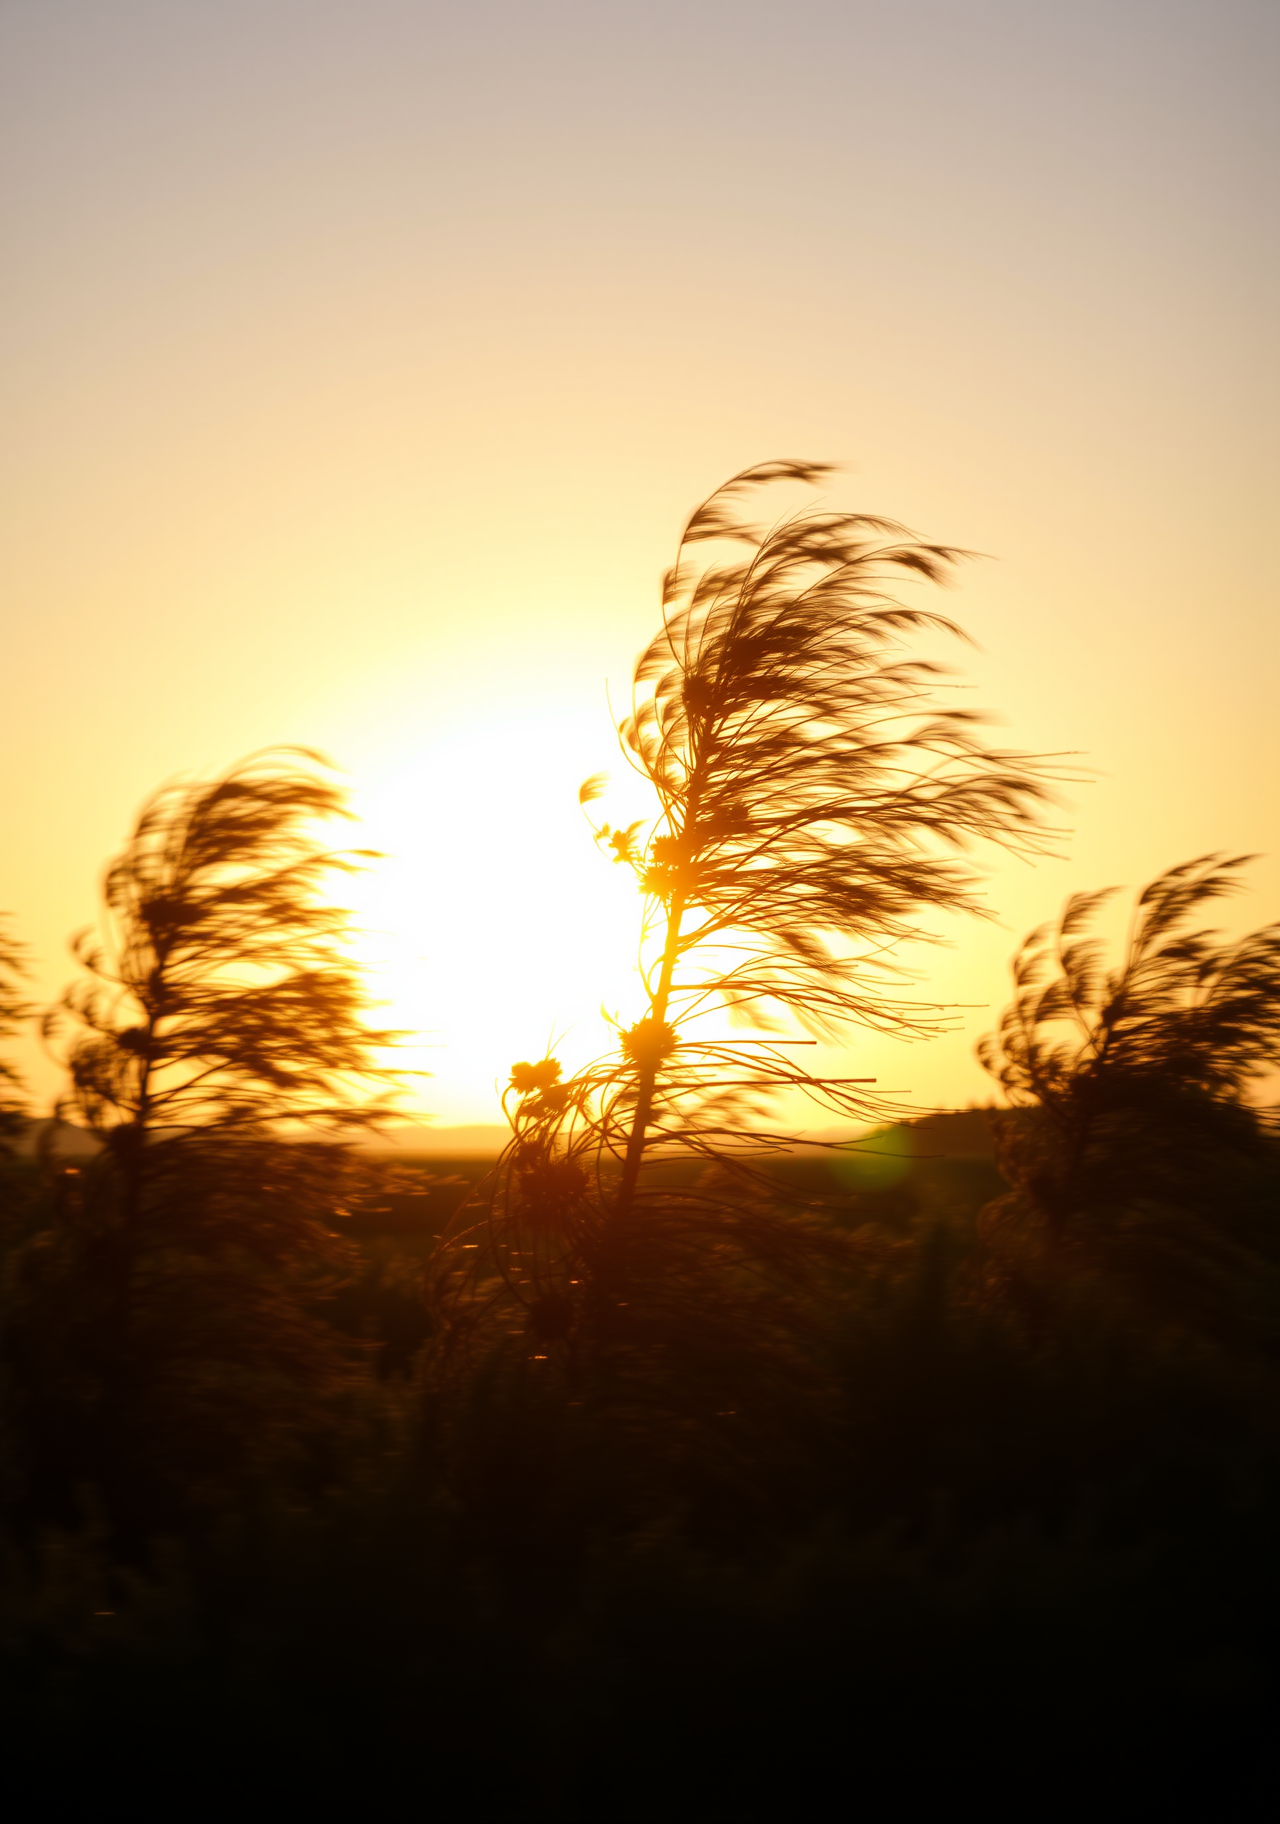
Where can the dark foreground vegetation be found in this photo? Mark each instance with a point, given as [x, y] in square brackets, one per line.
[928, 1552]
[664, 1468]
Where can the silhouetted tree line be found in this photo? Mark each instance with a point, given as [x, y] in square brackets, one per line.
[655, 1471]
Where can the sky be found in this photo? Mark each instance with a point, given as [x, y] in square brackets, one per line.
[361, 359]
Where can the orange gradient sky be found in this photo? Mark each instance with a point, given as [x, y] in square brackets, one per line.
[361, 360]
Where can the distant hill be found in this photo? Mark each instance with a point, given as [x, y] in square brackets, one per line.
[72, 1143]
[61, 1137]
[962, 1133]
[951, 1134]
[480, 1141]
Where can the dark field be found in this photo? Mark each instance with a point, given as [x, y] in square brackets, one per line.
[936, 1556]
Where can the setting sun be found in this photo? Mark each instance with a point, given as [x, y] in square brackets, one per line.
[493, 926]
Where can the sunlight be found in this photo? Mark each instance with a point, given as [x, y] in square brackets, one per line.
[493, 929]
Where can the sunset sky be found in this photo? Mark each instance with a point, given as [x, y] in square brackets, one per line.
[360, 360]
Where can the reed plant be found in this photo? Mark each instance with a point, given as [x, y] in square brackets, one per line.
[1139, 1155]
[815, 806]
[163, 1328]
[14, 1011]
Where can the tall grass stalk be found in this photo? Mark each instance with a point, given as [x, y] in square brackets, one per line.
[815, 809]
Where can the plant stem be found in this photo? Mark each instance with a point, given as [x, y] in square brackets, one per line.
[649, 1071]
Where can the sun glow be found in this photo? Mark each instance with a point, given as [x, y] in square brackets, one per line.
[492, 928]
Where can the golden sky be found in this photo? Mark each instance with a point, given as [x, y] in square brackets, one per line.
[361, 358]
